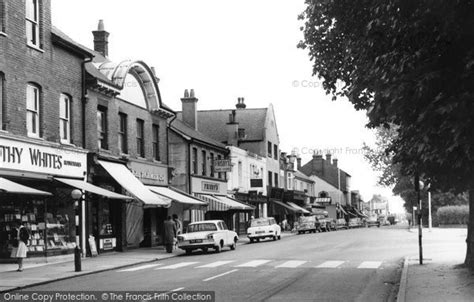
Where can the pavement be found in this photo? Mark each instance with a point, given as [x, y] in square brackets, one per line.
[442, 276]
[37, 271]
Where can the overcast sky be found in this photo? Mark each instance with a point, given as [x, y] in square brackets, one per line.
[230, 49]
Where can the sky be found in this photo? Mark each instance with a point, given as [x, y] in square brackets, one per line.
[229, 49]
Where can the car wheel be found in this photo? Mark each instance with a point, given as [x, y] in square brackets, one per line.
[257, 239]
[188, 251]
[251, 240]
[204, 249]
[275, 237]
[218, 248]
[234, 245]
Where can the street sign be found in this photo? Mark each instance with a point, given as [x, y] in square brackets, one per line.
[222, 165]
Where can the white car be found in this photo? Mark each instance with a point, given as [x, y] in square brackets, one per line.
[207, 234]
[261, 228]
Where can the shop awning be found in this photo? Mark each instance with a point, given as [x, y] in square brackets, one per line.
[294, 205]
[360, 213]
[287, 206]
[82, 185]
[11, 187]
[177, 195]
[343, 211]
[223, 203]
[134, 186]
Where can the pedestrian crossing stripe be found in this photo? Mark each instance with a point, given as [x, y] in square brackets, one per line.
[253, 263]
[215, 264]
[291, 264]
[330, 264]
[177, 265]
[137, 268]
[370, 264]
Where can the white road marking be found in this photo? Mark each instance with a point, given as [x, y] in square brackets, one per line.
[177, 265]
[330, 264]
[139, 268]
[292, 264]
[217, 276]
[253, 263]
[215, 264]
[370, 264]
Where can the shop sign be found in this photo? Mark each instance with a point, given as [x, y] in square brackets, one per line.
[222, 165]
[149, 174]
[28, 157]
[208, 187]
[256, 183]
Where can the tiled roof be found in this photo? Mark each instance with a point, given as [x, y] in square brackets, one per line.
[301, 175]
[212, 122]
[70, 42]
[183, 129]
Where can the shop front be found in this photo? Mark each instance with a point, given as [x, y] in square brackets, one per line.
[30, 195]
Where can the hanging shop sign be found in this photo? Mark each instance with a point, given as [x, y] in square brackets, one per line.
[29, 157]
[150, 174]
[222, 165]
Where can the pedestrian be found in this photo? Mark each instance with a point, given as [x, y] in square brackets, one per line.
[179, 225]
[170, 234]
[284, 224]
[20, 240]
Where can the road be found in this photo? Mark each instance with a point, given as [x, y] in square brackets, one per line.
[348, 265]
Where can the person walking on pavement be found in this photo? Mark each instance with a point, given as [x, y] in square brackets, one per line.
[170, 234]
[20, 240]
[179, 225]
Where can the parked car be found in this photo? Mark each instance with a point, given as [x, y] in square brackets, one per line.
[261, 228]
[308, 224]
[207, 234]
[341, 224]
[354, 223]
[372, 221]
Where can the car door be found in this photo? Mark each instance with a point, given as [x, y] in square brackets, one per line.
[226, 233]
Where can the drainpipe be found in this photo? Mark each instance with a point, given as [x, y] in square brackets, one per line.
[84, 100]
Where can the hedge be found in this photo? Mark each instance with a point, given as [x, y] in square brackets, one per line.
[453, 214]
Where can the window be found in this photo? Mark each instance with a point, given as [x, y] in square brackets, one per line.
[3, 15]
[33, 110]
[276, 180]
[122, 133]
[269, 149]
[33, 23]
[2, 101]
[270, 176]
[194, 160]
[140, 138]
[204, 163]
[65, 118]
[156, 142]
[102, 128]
[275, 152]
[212, 164]
[239, 171]
[219, 174]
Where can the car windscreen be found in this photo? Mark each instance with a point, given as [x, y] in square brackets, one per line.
[259, 222]
[202, 227]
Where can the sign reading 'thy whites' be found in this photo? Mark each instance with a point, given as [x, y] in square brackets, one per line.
[222, 165]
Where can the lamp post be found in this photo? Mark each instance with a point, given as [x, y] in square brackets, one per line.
[413, 217]
[430, 220]
[76, 196]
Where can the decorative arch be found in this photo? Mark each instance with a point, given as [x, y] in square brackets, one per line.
[129, 72]
[323, 194]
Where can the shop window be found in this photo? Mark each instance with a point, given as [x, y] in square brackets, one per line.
[275, 152]
[194, 161]
[269, 149]
[204, 163]
[140, 138]
[156, 142]
[102, 139]
[65, 118]
[122, 133]
[33, 110]
[33, 23]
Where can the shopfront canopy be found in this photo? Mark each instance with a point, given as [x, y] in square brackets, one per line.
[303, 210]
[82, 185]
[11, 187]
[287, 206]
[177, 195]
[223, 203]
[133, 185]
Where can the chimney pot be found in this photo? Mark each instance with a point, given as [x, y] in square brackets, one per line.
[101, 26]
[334, 161]
[328, 157]
[240, 103]
[191, 94]
[186, 93]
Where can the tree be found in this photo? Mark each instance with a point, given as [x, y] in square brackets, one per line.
[410, 64]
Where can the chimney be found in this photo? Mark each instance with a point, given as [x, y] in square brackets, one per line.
[334, 162]
[318, 164]
[298, 161]
[232, 128]
[328, 157]
[189, 108]
[101, 39]
[240, 104]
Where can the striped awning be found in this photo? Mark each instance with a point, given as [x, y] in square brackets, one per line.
[294, 205]
[11, 187]
[287, 206]
[323, 199]
[223, 203]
